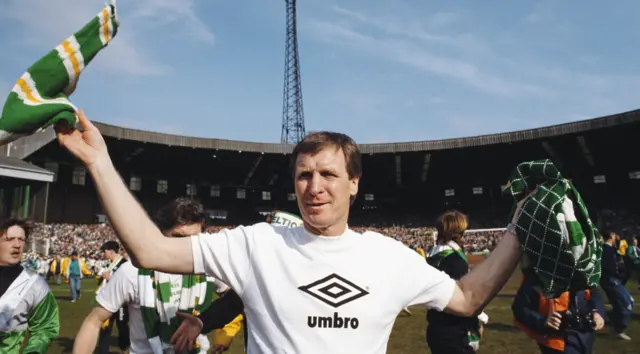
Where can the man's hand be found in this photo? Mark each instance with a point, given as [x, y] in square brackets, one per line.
[554, 321]
[187, 333]
[598, 320]
[106, 275]
[88, 146]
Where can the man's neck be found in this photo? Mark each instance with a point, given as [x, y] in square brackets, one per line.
[4, 264]
[331, 231]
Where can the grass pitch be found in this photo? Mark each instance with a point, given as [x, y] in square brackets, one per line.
[408, 336]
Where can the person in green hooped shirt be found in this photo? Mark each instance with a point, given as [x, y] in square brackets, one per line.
[27, 305]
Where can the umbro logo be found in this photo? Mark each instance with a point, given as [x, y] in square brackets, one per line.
[334, 290]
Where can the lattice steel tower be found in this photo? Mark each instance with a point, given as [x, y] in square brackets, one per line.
[292, 114]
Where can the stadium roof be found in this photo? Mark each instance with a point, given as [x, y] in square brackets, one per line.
[430, 145]
[16, 168]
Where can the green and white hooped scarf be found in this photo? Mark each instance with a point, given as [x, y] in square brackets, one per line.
[159, 317]
[40, 96]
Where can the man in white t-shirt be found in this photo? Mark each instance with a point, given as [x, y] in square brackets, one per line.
[319, 288]
[181, 218]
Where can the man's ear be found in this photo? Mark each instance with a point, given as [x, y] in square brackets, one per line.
[353, 189]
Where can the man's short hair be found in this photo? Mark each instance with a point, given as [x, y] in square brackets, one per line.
[110, 245]
[315, 142]
[74, 253]
[23, 224]
[181, 211]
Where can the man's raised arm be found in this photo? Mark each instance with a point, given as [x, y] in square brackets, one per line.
[140, 236]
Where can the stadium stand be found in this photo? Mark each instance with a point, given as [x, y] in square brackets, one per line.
[405, 185]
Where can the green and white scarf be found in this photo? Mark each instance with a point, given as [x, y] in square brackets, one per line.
[160, 320]
[561, 246]
[40, 97]
[440, 252]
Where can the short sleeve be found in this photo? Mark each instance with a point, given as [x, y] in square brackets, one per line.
[225, 255]
[423, 283]
[120, 290]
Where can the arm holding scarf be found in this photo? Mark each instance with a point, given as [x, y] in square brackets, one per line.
[485, 280]
[146, 245]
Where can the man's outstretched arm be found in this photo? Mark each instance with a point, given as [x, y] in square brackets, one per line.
[144, 241]
[474, 291]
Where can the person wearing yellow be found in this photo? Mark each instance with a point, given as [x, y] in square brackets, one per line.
[223, 337]
[622, 246]
[65, 266]
[56, 269]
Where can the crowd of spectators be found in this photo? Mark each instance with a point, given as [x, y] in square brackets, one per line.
[87, 238]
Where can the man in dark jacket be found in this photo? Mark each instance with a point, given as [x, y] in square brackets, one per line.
[611, 283]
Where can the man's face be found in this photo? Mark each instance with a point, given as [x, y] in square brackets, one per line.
[12, 245]
[108, 254]
[323, 190]
[185, 230]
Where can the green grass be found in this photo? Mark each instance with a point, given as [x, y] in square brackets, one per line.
[408, 334]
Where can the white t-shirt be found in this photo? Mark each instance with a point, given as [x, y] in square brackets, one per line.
[220, 286]
[122, 290]
[311, 294]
